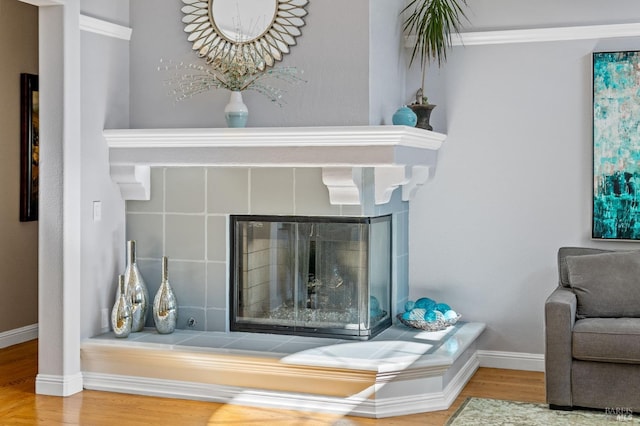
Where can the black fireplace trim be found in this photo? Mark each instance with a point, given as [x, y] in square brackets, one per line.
[302, 331]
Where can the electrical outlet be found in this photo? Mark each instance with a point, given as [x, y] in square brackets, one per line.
[105, 318]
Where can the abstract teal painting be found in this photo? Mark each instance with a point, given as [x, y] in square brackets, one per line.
[616, 145]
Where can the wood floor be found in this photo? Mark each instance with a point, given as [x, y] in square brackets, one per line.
[19, 405]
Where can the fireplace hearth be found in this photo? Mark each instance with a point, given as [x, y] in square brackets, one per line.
[311, 276]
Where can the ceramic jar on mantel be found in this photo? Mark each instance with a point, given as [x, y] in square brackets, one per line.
[136, 289]
[236, 112]
[404, 116]
[165, 305]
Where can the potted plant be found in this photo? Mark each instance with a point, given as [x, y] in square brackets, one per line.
[432, 22]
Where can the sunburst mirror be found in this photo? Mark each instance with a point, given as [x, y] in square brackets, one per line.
[260, 31]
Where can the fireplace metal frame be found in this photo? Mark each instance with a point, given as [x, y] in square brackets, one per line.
[343, 333]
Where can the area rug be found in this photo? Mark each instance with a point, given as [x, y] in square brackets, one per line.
[490, 412]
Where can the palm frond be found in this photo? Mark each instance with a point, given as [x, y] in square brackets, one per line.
[433, 22]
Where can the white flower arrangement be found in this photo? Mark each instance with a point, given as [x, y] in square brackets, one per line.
[238, 72]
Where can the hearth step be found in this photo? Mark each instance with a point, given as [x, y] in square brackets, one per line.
[401, 371]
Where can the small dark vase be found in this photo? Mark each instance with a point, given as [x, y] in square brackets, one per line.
[423, 111]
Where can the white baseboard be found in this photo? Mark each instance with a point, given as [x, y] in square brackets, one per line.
[511, 360]
[48, 384]
[18, 335]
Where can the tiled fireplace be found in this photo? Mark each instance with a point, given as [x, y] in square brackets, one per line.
[310, 275]
[194, 229]
[183, 186]
[304, 201]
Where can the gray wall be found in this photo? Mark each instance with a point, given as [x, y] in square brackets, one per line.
[514, 176]
[105, 104]
[19, 240]
[332, 52]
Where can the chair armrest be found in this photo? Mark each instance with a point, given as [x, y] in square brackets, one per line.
[559, 319]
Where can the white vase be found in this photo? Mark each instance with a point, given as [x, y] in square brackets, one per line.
[236, 112]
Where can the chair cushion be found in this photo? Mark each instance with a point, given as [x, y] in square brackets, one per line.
[563, 252]
[606, 284]
[607, 340]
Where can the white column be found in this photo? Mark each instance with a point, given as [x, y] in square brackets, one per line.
[59, 257]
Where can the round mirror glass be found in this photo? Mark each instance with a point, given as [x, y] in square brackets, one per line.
[258, 31]
[243, 21]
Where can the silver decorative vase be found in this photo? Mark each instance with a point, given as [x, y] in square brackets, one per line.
[136, 290]
[121, 313]
[165, 305]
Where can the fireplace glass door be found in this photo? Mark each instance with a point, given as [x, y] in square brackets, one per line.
[318, 276]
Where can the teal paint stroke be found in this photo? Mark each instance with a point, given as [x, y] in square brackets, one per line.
[616, 145]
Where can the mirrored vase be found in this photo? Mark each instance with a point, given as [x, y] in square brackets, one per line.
[165, 305]
[121, 313]
[136, 289]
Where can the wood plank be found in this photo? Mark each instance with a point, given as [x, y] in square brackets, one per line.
[20, 405]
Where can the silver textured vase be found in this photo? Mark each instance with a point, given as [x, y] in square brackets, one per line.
[121, 313]
[136, 290]
[165, 305]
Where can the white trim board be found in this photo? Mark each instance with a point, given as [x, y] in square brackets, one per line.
[356, 405]
[538, 35]
[18, 335]
[105, 28]
[511, 360]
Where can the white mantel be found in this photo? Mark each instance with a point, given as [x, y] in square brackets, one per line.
[401, 156]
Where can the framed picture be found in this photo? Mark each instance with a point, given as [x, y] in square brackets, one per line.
[29, 147]
[616, 145]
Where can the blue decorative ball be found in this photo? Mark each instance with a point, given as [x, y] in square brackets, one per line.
[374, 305]
[442, 307]
[409, 305]
[450, 315]
[431, 316]
[425, 303]
[406, 316]
[405, 116]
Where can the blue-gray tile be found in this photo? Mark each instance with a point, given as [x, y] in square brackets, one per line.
[185, 190]
[184, 237]
[209, 340]
[167, 339]
[217, 289]
[253, 345]
[217, 230]
[311, 195]
[228, 190]
[188, 282]
[190, 318]
[272, 191]
[217, 320]
[146, 230]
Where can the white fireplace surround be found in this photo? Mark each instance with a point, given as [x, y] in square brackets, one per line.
[400, 156]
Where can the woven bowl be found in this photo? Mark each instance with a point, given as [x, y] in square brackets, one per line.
[437, 325]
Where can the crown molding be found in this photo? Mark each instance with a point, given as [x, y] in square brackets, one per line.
[540, 35]
[105, 28]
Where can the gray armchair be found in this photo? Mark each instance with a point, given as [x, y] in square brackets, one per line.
[592, 331]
